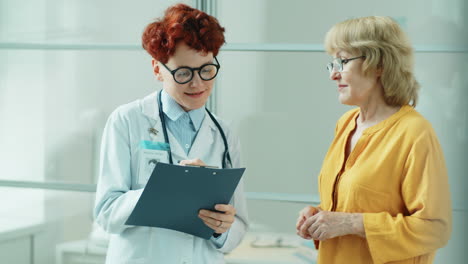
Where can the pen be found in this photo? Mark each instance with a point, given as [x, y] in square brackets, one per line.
[203, 166]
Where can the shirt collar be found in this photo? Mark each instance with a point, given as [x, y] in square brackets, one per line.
[197, 117]
[174, 111]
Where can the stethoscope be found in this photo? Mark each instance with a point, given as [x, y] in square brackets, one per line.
[166, 137]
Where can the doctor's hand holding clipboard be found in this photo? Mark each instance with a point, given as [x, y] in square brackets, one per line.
[189, 195]
[219, 221]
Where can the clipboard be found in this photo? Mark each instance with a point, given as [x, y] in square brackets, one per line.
[174, 194]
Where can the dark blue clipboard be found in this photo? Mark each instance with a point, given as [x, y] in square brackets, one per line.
[174, 194]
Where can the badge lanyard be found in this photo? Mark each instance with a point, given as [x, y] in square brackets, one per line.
[166, 137]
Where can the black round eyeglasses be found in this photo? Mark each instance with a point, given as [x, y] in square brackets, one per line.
[185, 74]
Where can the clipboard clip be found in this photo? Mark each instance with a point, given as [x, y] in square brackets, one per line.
[204, 166]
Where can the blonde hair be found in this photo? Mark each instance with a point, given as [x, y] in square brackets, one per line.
[386, 47]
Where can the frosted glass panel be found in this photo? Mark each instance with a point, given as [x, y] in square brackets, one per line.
[285, 109]
[444, 90]
[78, 21]
[302, 21]
[55, 104]
[22, 117]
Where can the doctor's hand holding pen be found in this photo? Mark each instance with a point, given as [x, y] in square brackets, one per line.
[196, 163]
[314, 223]
[219, 221]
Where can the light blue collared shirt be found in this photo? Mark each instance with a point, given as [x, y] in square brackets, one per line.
[184, 126]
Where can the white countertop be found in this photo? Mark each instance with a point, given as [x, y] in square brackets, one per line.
[293, 250]
[12, 228]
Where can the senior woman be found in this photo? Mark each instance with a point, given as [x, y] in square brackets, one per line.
[170, 126]
[383, 184]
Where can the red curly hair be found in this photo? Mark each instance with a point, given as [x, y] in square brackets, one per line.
[195, 28]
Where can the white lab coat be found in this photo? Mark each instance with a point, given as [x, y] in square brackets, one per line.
[118, 189]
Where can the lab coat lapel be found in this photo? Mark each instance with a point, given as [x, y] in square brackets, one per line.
[150, 108]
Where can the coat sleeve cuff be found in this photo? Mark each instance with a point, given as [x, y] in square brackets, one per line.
[219, 240]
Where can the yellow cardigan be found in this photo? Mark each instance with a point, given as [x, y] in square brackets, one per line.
[396, 177]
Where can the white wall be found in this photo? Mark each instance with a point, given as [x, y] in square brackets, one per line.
[22, 127]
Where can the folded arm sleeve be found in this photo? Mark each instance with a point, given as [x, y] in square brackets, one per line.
[427, 224]
[114, 198]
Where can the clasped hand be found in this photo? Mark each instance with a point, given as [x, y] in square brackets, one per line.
[313, 223]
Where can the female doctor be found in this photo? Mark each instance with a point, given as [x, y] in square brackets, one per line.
[170, 126]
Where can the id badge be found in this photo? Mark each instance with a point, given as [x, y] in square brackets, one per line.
[150, 154]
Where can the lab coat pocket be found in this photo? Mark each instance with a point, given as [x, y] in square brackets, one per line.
[367, 200]
[134, 242]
